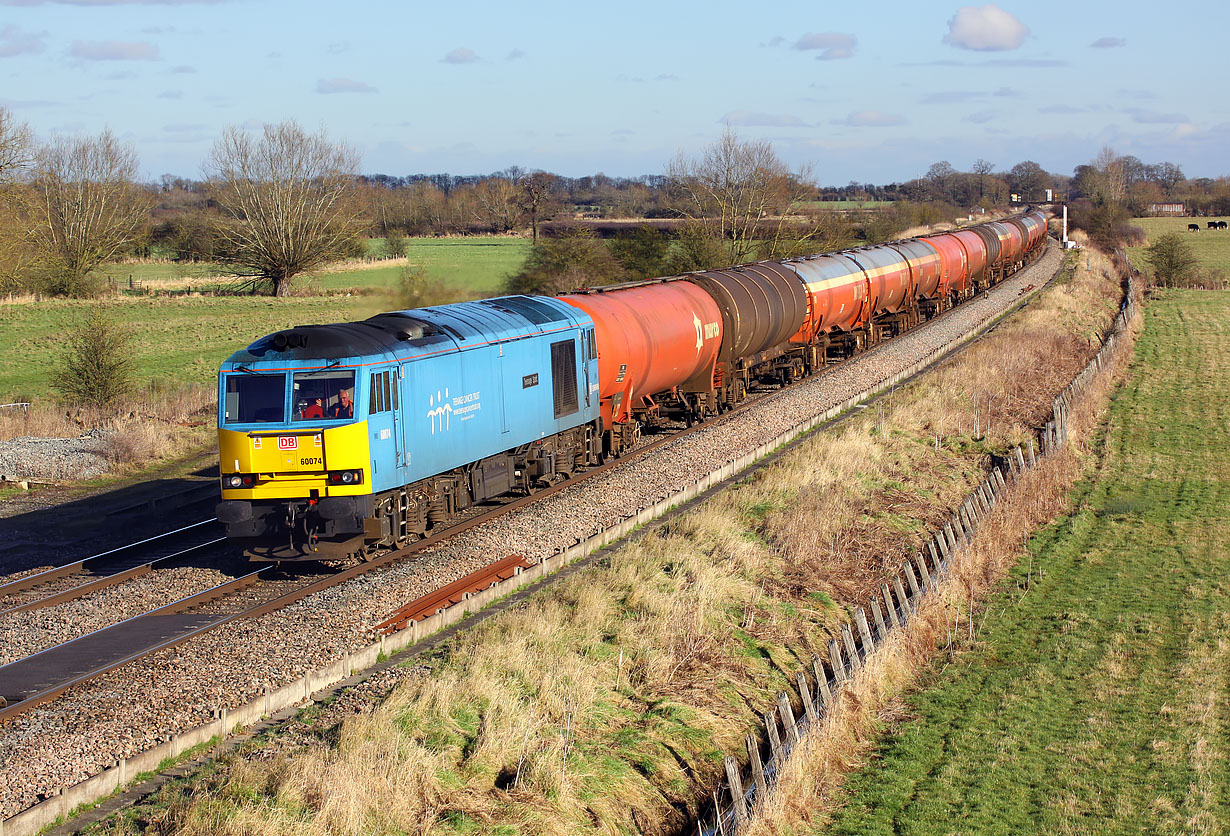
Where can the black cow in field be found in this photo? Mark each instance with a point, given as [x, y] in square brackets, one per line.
[1194, 227]
[1221, 224]
[1212, 224]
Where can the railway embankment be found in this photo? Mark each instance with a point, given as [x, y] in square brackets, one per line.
[609, 700]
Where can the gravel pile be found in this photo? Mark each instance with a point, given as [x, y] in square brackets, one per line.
[54, 459]
[93, 725]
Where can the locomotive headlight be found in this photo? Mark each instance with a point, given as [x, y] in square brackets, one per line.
[346, 477]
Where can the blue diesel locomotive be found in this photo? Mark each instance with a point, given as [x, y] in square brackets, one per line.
[337, 440]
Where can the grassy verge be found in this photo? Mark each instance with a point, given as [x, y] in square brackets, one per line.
[1095, 697]
[605, 702]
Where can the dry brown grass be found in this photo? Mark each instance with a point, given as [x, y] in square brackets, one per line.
[157, 423]
[807, 791]
[605, 702]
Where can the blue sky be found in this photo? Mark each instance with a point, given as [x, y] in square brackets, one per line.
[871, 91]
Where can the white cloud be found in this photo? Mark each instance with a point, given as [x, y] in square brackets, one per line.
[171, 94]
[460, 55]
[833, 45]
[13, 41]
[980, 118]
[985, 29]
[343, 85]
[752, 119]
[871, 119]
[1108, 43]
[114, 51]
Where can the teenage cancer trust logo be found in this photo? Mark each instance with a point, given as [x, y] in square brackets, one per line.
[442, 409]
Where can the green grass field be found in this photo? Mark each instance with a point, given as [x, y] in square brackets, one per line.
[181, 339]
[473, 265]
[1212, 247]
[184, 338]
[1097, 701]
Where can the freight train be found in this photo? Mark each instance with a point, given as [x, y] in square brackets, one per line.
[340, 440]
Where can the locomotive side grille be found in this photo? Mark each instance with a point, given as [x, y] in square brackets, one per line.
[564, 377]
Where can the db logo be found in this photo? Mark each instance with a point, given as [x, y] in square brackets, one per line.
[288, 442]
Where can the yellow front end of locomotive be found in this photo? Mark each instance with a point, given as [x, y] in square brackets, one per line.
[295, 464]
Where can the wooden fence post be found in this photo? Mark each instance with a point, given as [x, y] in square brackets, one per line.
[822, 681]
[940, 541]
[888, 602]
[1020, 459]
[913, 582]
[922, 570]
[775, 741]
[809, 705]
[787, 715]
[1033, 461]
[899, 590]
[864, 630]
[950, 537]
[839, 667]
[935, 557]
[881, 627]
[738, 801]
[847, 638]
[753, 759]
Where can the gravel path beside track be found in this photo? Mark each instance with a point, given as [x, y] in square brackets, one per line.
[92, 726]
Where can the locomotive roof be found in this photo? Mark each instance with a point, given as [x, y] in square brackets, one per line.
[400, 335]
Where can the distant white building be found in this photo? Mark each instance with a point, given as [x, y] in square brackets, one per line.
[1167, 209]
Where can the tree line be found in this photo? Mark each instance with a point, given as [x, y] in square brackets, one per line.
[276, 204]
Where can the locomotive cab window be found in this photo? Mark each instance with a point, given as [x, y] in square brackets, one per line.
[255, 398]
[323, 396]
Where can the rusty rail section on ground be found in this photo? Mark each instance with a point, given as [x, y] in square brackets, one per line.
[454, 593]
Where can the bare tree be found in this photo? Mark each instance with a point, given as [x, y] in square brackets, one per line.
[16, 155]
[16, 147]
[536, 196]
[87, 206]
[496, 204]
[286, 201]
[982, 168]
[941, 175]
[745, 196]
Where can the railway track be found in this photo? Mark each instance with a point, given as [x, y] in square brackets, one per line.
[35, 680]
[72, 580]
